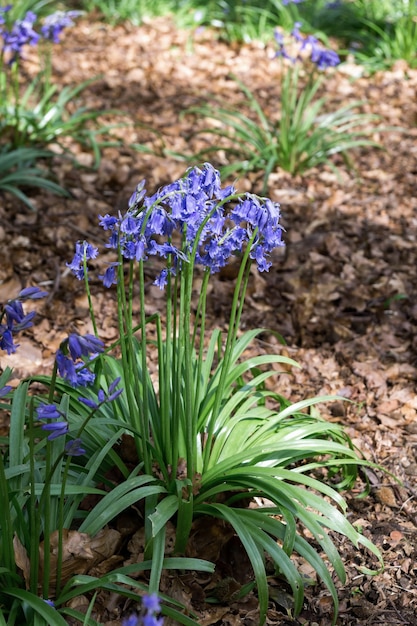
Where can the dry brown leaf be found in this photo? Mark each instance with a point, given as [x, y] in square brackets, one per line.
[22, 559]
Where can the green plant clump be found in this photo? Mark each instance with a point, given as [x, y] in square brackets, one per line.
[303, 135]
[207, 434]
[40, 117]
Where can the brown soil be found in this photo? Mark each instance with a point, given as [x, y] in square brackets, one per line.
[342, 294]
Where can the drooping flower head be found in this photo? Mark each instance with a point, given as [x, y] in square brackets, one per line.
[307, 48]
[21, 34]
[193, 217]
[70, 358]
[15, 318]
[103, 397]
[5, 390]
[54, 24]
[74, 448]
[84, 251]
[148, 617]
[52, 414]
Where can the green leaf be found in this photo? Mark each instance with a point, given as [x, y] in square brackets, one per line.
[120, 498]
[41, 608]
[164, 511]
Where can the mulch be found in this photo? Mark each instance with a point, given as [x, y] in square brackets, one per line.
[341, 293]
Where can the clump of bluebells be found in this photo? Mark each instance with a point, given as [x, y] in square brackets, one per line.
[214, 224]
[307, 48]
[15, 36]
[193, 224]
[71, 363]
[301, 134]
[35, 115]
[207, 432]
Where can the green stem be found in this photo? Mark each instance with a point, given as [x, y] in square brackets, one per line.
[200, 323]
[235, 315]
[34, 519]
[88, 292]
[190, 422]
[123, 334]
[6, 526]
[142, 391]
[165, 359]
[61, 528]
[15, 91]
[46, 494]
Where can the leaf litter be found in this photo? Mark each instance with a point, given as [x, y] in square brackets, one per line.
[342, 294]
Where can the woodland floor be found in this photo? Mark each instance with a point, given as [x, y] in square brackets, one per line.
[342, 293]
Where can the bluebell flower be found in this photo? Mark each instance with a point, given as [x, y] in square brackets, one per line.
[259, 255]
[108, 222]
[21, 34]
[66, 368]
[47, 411]
[72, 367]
[162, 279]
[103, 397]
[151, 603]
[314, 44]
[84, 376]
[5, 390]
[326, 58]
[31, 293]
[51, 412]
[76, 374]
[130, 224]
[137, 196]
[16, 318]
[6, 340]
[50, 602]
[74, 448]
[56, 429]
[109, 277]
[83, 250]
[54, 24]
[84, 345]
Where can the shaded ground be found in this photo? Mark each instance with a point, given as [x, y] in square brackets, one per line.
[342, 293]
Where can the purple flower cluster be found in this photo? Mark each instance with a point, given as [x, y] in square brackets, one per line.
[22, 31]
[21, 34]
[83, 252]
[54, 24]
[70, 358]
[15, 318]
[151, 606]
[320, 56]
[210, 219]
